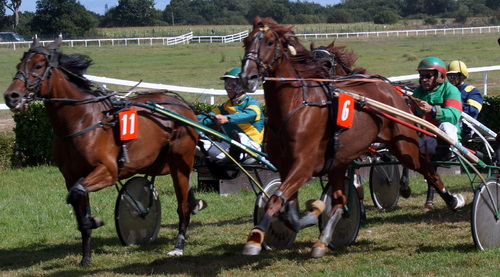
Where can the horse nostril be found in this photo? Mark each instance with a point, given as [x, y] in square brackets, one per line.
[254, 77]
[12, 95]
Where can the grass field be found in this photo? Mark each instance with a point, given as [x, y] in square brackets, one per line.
[39, 237]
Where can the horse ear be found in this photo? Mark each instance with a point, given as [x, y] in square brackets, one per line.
[313, 45]
[36, 43]
[257, 21]
[56, 43]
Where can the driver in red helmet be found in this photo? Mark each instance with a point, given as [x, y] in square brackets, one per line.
[441, 105]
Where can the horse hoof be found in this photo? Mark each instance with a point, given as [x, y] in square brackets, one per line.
[405, 192]
[96, 222]
[318, 252]
[86, 262]
[201, 205]
[251, 249]
[457, 202]
[428, 207]
[175, 253]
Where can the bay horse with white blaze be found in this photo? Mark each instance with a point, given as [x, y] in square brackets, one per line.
[87, 146]
[302, 126]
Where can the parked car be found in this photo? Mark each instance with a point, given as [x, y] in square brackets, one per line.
[10, 37]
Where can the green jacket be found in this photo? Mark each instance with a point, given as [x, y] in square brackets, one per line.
[448, 102]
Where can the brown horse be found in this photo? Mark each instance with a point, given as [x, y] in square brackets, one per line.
[302, 129]
[87, 146]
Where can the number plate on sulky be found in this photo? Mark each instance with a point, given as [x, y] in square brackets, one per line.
[345, 114]
[129, 126]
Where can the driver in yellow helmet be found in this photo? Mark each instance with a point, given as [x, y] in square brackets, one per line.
[472, 99]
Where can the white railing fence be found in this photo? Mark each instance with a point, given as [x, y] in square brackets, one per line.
[182, 39]
[208, 94]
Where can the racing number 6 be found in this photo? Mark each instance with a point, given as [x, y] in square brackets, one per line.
[345, 111]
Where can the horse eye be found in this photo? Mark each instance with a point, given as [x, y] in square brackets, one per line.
[270, 43]
[38, 67]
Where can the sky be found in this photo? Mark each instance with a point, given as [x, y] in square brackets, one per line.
[98, 6]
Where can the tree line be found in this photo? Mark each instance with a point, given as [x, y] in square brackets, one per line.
[73, 19]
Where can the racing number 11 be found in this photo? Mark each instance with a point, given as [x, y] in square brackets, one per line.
[128, 124]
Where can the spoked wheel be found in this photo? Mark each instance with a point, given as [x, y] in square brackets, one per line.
[485, 221]
[347, 228]
[137, 212]
[278, 235]
[384, 185]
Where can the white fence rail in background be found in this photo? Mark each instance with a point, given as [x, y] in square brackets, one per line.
[186, 38]
[407, 33]
[208, 94]
[182, 39]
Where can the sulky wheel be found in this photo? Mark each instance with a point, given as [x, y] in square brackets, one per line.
[137, 212]
[278, 235]
[384, 185]
[347, 228]
[485, 221]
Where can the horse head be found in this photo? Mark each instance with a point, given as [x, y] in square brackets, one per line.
[271, 48]
[32, 72]
[264, 46]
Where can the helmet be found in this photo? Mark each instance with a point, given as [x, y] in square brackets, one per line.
[458, 67]
[432, 63]
[232, 73]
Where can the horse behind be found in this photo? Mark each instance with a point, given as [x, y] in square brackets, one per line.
[305, 138]
[87, 146]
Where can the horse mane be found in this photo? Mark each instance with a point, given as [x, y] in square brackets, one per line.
[303, 61]
[74, 66]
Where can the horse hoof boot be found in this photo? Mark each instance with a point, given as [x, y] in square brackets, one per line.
[457, 202]
[318, 250]
[175, 253]
[251, 249]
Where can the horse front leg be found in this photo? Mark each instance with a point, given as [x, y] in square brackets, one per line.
[284, 200]
[180, 178]
[336, 179]
[78, 198]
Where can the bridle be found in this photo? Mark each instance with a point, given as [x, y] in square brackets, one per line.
[253, 53]
[23, 75]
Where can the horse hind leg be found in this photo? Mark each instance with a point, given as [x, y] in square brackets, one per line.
[453, 201]
[79, 199]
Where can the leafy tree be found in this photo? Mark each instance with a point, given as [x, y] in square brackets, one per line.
[14, 6]
[68, 17]
[493, 4]
[3, 22]
[340, 16]
[132, 13]
[386, 17]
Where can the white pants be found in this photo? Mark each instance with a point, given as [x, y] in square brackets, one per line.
[215, 154]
